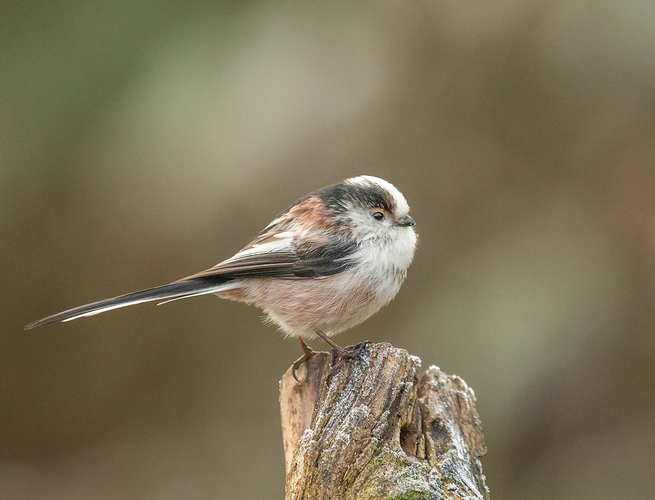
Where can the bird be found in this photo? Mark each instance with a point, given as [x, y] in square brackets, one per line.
[325, 264]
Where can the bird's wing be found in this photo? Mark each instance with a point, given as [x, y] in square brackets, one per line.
[281, 255]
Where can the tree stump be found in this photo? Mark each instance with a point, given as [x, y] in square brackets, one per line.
[378, 430]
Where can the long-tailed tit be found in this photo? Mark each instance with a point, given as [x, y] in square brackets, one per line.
[322, 266]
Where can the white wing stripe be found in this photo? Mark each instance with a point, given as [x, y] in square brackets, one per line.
[282, 246]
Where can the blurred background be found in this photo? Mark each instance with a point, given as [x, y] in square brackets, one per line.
[144, 141]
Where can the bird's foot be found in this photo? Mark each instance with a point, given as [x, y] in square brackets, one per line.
[307, 353]
[344, 353]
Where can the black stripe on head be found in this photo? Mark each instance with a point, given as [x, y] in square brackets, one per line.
[339, 197]
[334, 202]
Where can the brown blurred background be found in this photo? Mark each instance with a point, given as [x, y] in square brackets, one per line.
[143, 141]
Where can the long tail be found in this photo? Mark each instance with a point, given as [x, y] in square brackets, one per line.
[178, 290]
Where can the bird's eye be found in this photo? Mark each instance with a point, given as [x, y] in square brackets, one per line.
[378, 215]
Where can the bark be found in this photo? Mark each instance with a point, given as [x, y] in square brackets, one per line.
[379, 430]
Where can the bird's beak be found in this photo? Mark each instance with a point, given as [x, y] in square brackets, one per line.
[406, 221]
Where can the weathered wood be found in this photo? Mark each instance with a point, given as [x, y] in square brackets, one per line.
[378, 430]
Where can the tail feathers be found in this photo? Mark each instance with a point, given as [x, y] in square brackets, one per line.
[178, 290]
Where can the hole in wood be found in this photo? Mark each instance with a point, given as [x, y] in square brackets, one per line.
[409, 439]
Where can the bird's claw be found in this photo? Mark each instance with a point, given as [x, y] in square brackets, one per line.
[344, 353]
[308, 353]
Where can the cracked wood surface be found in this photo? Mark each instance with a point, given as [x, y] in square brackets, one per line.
[380, 430]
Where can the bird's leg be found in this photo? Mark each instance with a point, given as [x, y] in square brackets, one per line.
[341, 352]
[307, 353]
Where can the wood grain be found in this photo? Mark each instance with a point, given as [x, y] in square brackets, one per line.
[380, 429]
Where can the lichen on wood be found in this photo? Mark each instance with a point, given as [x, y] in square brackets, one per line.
[379, 430]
